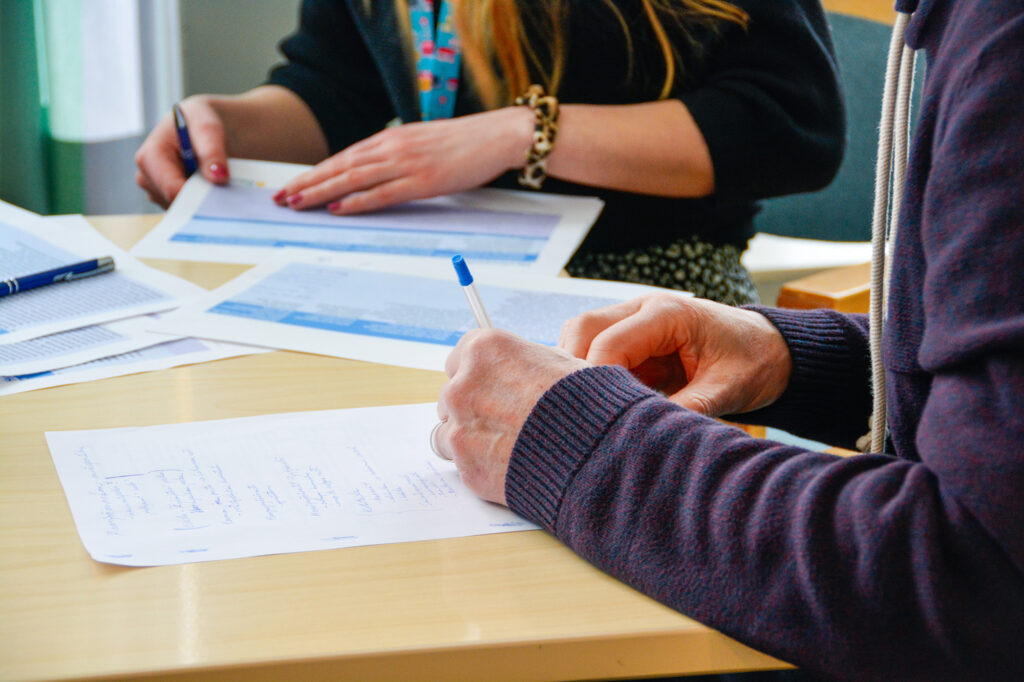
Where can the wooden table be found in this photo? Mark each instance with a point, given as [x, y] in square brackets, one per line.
[515, 606]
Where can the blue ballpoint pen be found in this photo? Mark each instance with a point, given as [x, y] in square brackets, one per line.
[188, 155]
[65, 273]
[472, 295]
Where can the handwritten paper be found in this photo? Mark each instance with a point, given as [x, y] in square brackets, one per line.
[271, 484]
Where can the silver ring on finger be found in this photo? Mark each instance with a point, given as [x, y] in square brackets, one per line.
[433, 441]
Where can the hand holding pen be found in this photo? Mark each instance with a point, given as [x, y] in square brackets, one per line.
[483, 320]
[495, 378]
[190, 139]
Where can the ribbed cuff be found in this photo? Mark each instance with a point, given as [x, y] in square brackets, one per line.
[561, 432]
[829, 356]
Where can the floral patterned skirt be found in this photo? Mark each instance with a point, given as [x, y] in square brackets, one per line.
[708, 270]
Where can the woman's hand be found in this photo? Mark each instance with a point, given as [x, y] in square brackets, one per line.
[494, 380]
[705, 356]
[269, 122]
[415, 161]
[160, 171]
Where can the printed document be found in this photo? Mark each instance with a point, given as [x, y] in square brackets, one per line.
[76, 346]
[30, 243]
[163, 355]
[240, 223]
[395, 313]
[271, 484]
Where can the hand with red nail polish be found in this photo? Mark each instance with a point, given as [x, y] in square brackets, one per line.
[415, 161]
[160, 172]
[218, 173]
[268, 122]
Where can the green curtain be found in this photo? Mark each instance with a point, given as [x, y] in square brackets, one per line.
[24, 170]
[71, 105]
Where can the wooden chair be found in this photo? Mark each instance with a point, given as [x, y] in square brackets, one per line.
[844, 289]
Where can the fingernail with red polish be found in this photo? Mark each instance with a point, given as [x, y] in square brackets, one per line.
[334, 206]
[218, 171]
[280, 197]
[295, 199]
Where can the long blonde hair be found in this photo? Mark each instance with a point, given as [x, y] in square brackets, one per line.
[492, 33]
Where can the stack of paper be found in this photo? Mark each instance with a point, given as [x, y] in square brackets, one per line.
[377, 287]
[89, 328]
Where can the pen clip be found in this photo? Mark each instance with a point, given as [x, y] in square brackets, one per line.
[67, 277]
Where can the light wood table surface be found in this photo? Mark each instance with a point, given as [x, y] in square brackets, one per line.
[513, 606]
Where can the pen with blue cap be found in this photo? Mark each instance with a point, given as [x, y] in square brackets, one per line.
[64, 273]
[472, 295]
[188, 155]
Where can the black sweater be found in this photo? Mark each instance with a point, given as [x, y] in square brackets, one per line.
[766, 100]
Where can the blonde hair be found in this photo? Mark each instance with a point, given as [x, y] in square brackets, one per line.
[492, 33]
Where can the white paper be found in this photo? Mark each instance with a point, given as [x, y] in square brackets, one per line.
[76, 346]
[271, 484]
[768, 253]
[241, 224]
[395, 313]
[163, 355]
[32, 244]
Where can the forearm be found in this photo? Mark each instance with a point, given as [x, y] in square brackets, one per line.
[271, 123]
[826, 562]
[649, 148]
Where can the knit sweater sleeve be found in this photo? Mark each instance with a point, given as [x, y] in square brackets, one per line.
[862, 568]
[771, 110]
[828, 397]
[330, 67]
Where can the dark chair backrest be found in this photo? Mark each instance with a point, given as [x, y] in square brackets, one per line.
[842, 211]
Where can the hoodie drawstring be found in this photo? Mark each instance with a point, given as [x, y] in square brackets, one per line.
[890, 174]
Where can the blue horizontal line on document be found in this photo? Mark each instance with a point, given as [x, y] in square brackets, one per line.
[192, 238]
[389, 230]
[404, 332]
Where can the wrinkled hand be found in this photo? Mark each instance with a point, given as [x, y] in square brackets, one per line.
[705, 356]
[415, 161]
[494, 380]
[161, 173]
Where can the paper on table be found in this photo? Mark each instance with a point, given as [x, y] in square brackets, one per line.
[774, 253]
[76, 346]
[241, 224]
[332, 306]
[160, 356]
[266, 485]
[32, 243]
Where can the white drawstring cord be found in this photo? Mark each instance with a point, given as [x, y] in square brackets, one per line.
[901, 148]
[895, 114]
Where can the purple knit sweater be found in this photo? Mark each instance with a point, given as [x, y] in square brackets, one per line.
[896, 566]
